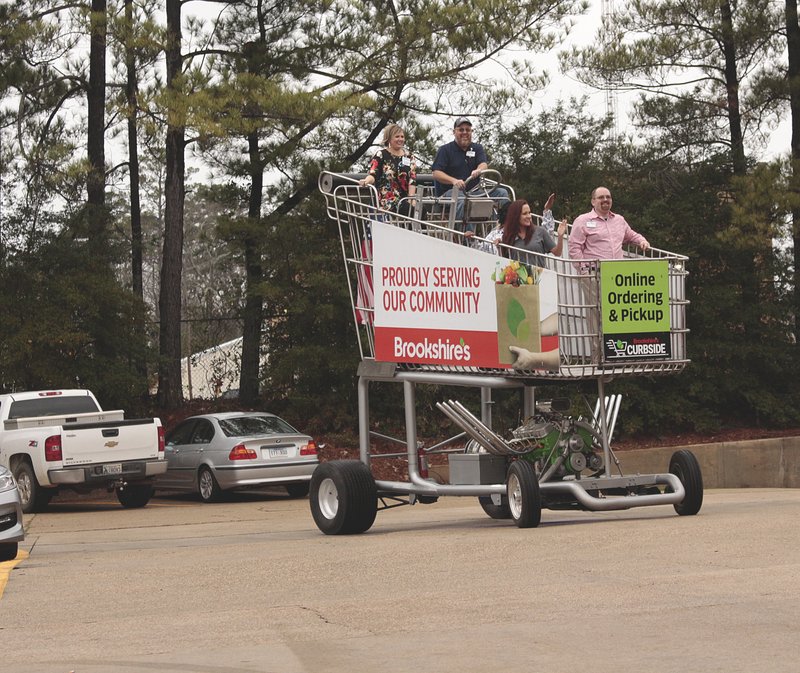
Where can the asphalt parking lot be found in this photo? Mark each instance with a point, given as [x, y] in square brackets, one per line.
[252, 585]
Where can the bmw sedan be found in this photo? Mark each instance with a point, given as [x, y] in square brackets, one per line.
[11, 531]
[213, 453]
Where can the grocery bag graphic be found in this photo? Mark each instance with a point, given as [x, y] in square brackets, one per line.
[518, 319]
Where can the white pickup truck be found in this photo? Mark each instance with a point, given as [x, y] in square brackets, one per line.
[62, 439]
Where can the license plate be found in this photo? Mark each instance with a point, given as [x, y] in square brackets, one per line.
[113, 468]
[276, 453]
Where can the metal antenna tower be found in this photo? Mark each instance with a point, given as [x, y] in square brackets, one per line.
[607, 15]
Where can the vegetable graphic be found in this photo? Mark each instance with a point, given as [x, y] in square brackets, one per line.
[516, 274]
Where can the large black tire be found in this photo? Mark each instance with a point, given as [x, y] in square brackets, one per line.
[500, 511]
[684, 465]
[524, 499]
[207, 487]
[344, 498]
[298, 489]
[8, 551]
[34, 498]
[134, 496]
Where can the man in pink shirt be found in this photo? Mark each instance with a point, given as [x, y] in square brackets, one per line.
[600, 234]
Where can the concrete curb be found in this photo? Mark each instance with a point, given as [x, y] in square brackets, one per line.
[759, 463]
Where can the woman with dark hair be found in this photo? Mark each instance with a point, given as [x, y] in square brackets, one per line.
[393, 171]
[519, 231]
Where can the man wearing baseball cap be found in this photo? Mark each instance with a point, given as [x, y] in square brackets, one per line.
[459, 161]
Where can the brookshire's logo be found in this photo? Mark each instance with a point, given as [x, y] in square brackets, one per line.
[440, 349]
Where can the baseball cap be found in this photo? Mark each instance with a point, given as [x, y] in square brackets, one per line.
[460, 121]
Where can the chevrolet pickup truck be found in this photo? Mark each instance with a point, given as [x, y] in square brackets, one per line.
[54, 439]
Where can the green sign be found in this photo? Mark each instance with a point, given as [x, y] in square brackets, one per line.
[634, 297]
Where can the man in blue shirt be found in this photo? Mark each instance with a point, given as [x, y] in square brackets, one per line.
[459, 161]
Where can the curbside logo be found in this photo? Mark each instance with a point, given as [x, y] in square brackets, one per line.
[645, 348]
[441, 349]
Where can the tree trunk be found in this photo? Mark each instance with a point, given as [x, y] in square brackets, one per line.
[137, 282]
[170, 387]
[96, 106]
[793, 46]
[254, 301]
[131, 91]
[732, 87]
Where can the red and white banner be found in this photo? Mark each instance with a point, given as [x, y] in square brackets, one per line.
[436, 302]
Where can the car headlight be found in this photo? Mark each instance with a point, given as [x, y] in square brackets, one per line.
[6, 482]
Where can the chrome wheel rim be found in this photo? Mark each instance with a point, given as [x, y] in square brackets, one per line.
[206, 485]
[514, 496]
[24, 487]
[328, 498]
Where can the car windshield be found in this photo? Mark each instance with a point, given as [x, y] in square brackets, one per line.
[248, 426]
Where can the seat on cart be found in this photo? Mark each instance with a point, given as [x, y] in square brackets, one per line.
[479, 211]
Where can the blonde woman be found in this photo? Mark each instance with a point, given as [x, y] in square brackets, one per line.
[393, 171]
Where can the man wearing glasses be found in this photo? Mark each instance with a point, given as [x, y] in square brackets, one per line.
[598, 234]
[459, 162]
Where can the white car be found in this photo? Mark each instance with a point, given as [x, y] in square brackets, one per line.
[212, 453]
[11, 530]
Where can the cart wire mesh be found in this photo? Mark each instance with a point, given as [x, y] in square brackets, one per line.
[353, 207]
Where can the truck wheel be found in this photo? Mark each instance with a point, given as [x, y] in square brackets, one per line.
[8, 551]
[344, 498]
[135, 495]
[34, 498]
[297, 490]
[524, 500]
[684, 465]
[500, 511]
[207, 486]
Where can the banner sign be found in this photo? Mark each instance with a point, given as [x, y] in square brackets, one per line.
[635, 308]
[437, 302]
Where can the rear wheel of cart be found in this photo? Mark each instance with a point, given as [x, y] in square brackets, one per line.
[500, 511]
[524, 500]
[344, 498]
[684, 465]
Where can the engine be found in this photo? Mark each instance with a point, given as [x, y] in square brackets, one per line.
[558, 445]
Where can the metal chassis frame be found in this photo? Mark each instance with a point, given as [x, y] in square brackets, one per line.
[352, 207]
[578, 490]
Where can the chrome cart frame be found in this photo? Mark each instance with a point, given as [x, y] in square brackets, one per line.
[345, 496]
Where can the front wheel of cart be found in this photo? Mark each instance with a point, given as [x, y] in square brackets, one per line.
[344, 499]
[684, 465]
[500, 511]
[524, 500]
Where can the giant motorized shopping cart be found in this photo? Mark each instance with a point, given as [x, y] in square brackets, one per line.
[435, 302]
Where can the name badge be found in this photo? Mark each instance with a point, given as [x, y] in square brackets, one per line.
[471, 153]
[405, 161]
[591, 224]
